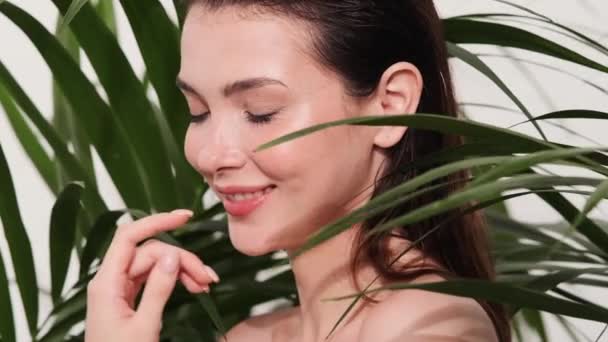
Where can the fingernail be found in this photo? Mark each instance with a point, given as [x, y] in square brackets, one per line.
[212, 274]
[169, 263]
[206, 288]
[184, 212]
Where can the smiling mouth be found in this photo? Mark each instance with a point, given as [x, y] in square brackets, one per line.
[247, 196]
[243, 204]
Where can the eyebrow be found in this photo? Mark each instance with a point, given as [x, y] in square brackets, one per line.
[234, 87]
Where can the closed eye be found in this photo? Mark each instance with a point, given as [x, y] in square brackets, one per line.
[199, 117]
[260, 119]
[257, 119]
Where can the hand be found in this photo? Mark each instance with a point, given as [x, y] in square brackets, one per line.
[111, 313]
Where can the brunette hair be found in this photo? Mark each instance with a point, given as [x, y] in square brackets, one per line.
[359, 40]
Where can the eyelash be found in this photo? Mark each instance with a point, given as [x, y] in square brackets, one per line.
[256, 119]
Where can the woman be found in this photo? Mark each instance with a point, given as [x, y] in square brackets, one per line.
[255, 70]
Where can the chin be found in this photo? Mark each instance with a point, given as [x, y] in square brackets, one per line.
[255, 242]
[251, 250]
[251, 246]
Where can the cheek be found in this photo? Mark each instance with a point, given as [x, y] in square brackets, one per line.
[281, 162]
[314, 161]
[313, 171]
[339, 168]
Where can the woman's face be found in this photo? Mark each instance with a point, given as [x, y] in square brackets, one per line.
[237, 68]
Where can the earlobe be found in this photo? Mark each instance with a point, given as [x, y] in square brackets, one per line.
[399, 92]
[389, 136]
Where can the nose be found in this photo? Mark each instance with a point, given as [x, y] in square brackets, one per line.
[223, 151]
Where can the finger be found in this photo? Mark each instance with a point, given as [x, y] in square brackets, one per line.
[134, 288]
[191, 285]
[158, 288]
[149, 253]
[122, 248]
[136, 285]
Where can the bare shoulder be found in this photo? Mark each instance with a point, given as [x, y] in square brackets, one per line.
[261, 327]
[427, 316]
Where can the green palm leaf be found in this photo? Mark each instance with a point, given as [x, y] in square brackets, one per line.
[62, 235]
[67, 161]
[474, 61]
[484, 192]
[29, 141]
[71, 13]
[502, 293]
[99, 238]
[434, 122]
[107, 135]
[465, 31]
[533, 260]
[129, 103]
[559, 28]
[19, 246]
[152, 27]
[7, 321]
[569, 114]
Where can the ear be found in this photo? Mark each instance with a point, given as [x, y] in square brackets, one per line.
[398, 93]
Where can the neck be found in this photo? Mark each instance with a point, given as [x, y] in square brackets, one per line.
[324, 272]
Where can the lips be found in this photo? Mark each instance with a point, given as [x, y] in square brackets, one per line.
[241, 201]
[237, 197]
[234, 189]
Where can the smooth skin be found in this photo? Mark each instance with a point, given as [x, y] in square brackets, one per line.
[112, 316]
[318, 178]
[111, 313]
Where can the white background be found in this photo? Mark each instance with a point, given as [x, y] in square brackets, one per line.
[540, 89]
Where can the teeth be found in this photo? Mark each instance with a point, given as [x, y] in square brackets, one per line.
[247, 195]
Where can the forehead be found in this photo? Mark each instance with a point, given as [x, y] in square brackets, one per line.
[231, 41]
